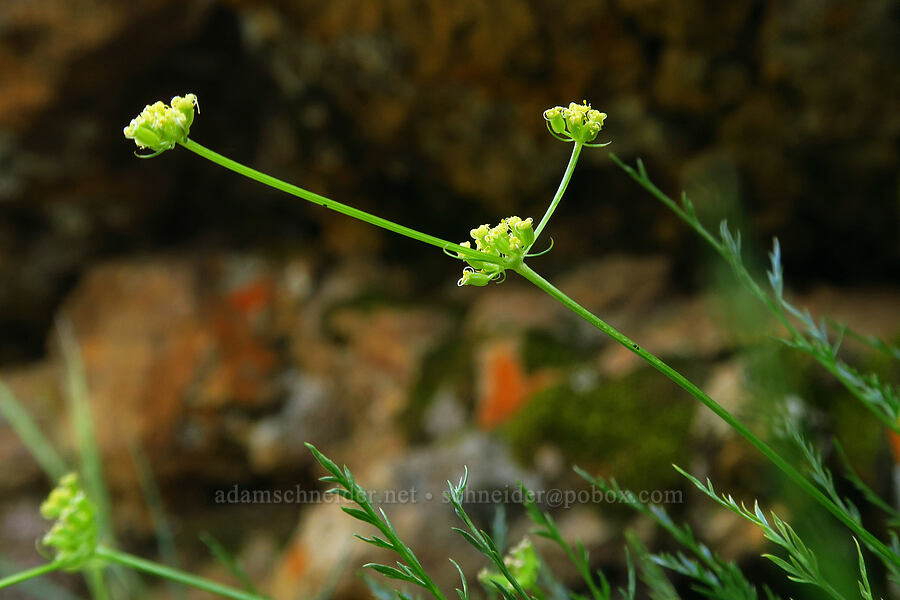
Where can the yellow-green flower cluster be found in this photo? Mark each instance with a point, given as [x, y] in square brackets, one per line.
[578, 122]
[523, 564]
[510, 239]
[74, 535]
[160, 126]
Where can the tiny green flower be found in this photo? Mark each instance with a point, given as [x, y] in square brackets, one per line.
[578, 122]
[525, 231]
[74, 535]
[556, 119]
[478, 234]
[472, 277]
[160, 126]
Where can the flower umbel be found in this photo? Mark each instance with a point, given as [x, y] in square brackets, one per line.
[578, 123]
[160, 126]
[510, 239]
[523, 564]
[74, 535]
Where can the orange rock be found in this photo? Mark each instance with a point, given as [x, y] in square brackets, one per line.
[251, 298]
[295, 561]
[505, 386]
[245, 365]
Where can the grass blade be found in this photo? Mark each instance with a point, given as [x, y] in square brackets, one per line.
[25, 427]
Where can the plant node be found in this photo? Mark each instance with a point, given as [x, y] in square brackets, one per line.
[509, 240]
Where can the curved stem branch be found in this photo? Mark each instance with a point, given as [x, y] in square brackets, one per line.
[29, 574]
[134, 562]
[576, 151]
[334, 205]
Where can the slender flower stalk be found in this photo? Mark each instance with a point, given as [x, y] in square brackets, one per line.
[73, 538]
[31, 573]
[570, 168]
[335, 206]
[139, 564]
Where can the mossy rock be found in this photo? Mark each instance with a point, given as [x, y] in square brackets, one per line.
[542, 349]
[632, 428]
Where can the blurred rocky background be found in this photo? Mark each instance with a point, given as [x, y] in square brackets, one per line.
[222, 324]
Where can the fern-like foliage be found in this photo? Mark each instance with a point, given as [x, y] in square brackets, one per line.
[596, 581]
[408, 569]
[653, 575]
[801, 564]
[871, 496]
[482, 542]
[818, 472]
[823, 478]
[713, 576]
[804, 333]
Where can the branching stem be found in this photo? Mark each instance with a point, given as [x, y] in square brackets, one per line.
[336, 206]
[567, 176]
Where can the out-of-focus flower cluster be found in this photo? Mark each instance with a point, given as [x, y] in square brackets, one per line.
[74, 535]
[523, 564]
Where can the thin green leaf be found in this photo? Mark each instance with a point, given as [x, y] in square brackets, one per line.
[28, 431]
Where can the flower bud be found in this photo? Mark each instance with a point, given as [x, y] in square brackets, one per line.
[472, 277]
[595, 116]
[575, 123]
[525, 231]
[186, 105]
[555, 117]
[479, 232]
[498, 238]
[475, 264]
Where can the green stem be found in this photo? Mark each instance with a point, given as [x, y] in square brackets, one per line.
[576, 151]
[139, 564]
[795, 475]
[336, 206]
[96, 582]
[29, 574]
